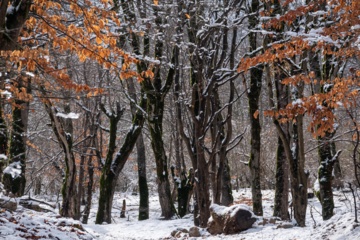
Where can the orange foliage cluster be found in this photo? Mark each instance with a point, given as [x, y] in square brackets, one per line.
[341, 39]
[70, 26]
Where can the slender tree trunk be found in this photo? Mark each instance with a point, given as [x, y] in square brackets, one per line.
[3, 132]
[281, 200]
[89, 191]
[143, 186]
[141, 161]
[155, 110]
[327, 160]
[299, 176]
[253, 98]
[226, 191]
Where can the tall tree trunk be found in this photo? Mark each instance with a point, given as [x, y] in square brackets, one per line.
[155, 111]
[17, 149]
[143, 186]
[3, 130]
[89, 190]
[295, 155]
[299, 176]
[253, 98]
[326, 160]
[281, 200]
[141, 161]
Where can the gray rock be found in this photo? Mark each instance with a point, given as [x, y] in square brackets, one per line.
[194, 232]
[8, 203]
[230, 220]
[285, 225]
[184, 230]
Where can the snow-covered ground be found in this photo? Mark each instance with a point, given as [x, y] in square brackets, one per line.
[22, 223]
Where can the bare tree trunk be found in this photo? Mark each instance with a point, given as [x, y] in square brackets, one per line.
[3, 130]
[281, 200]
[63, 131]
[143, 186]
[253, 96]
[113, 166]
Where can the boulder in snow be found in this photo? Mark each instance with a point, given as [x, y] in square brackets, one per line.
[8, 203]
[194, 232]
[230, 220]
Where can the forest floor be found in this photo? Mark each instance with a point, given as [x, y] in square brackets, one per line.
[28, 224]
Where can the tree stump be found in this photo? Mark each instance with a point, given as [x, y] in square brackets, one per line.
[123, 209]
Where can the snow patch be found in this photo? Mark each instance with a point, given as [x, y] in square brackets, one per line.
[14, 169]
[69, 115]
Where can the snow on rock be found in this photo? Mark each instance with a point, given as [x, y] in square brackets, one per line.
[31, 225]
[3, 157]
[230, 220]
[69, 115]
[14, 169]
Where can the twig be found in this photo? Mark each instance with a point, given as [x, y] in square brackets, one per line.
[355, 207]
[312, 216]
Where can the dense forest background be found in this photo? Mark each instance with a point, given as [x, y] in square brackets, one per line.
[190, 99]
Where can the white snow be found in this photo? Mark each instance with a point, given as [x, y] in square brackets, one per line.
[341, 226]
[3, 157]
[69, 115]
[30, 74]
[14, 169]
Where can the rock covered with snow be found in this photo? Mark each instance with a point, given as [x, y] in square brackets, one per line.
[230, 220]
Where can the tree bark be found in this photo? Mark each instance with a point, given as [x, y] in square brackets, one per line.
[281, 200]
[113, 165]
[63, 131]
[253, 98]
[143, 186]
[327, 159]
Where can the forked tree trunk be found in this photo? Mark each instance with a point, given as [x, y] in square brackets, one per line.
[155, 111]
[295, 155]
[63, 131]
[113, 165]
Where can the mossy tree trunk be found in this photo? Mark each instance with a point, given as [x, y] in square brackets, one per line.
[63, 130]
[108, 177]
[17, 152]
[114, 164]
[17, 147]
